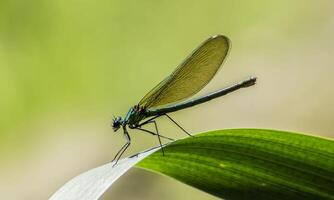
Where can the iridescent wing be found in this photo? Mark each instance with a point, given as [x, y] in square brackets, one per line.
[191, 76]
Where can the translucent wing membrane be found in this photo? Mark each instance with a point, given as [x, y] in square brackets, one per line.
[191, 76]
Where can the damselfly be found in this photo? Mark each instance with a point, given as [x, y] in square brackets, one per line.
[173, 93]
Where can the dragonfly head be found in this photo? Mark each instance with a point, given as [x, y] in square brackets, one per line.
[116, 123]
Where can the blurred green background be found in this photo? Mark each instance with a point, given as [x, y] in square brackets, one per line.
[67, 66]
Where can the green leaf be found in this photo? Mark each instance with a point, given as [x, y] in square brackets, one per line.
[250, 164]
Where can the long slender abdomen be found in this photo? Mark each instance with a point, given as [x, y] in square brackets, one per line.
[192, 102]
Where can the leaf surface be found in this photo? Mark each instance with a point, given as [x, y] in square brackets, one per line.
[251, 164]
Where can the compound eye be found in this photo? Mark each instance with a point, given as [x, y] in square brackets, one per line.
[115, 126]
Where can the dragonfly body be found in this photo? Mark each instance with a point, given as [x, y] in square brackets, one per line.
[192, 102]
[136, 114]
[172, 94]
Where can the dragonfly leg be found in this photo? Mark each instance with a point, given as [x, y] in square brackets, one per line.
[124, 147]
[157, 134]
[119, 152]
[178, 125]
[156, 129]
[152, 133]
[149, 120]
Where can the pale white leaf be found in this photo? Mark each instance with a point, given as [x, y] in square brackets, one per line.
[91, 185]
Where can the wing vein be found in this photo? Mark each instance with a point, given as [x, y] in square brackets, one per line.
[191, 76]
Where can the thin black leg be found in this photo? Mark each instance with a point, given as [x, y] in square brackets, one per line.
[148, 121]
[152, 133]
[156, 129]
[119, 157]
[125, 146]
[119, 152]
[178, 125]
